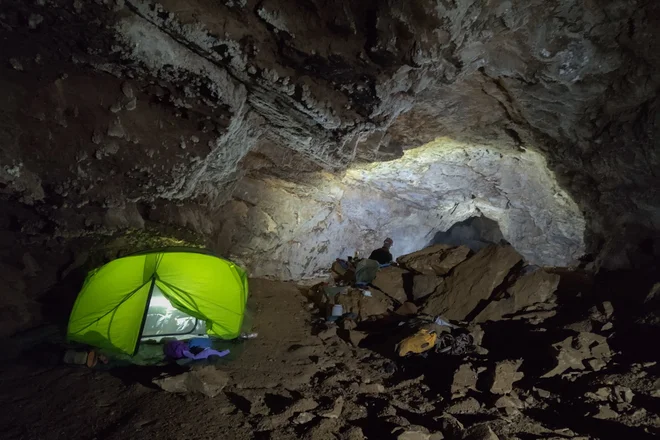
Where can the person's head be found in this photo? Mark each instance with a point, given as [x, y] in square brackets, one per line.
[387, 244]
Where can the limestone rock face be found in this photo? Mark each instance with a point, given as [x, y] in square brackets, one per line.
[472, 281]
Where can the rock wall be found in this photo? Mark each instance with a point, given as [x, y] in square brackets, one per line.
[121, 113]
[291, 230]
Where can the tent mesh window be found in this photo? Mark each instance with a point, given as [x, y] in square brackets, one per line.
[163, 319]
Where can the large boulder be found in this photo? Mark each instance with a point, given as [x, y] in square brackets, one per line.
[434, 260]
[530, 289]
[355, 301]
[390, 281]
[425, 285]
[472, 282]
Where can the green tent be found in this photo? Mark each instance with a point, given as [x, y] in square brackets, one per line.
[169, 292]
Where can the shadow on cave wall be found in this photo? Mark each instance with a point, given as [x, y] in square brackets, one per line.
[474, 232]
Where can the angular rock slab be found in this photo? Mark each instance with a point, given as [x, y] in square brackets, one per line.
[505, 374]
[465, 378]
[434, 260]
[480, 432]
[425, 285]
[574, 350]
[354, 301]
[533, 288]
[472, 282]
[389, 280]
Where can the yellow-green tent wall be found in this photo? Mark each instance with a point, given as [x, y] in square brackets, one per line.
[111, 307]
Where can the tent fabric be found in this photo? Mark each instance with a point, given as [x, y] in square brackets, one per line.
[110, 310]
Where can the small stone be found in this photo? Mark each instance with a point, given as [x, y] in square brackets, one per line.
[303, 405]
[542, 393]
[335, 412]
[606, 413]
[206, 380]
[508, 402]
[35, 20]
[465, 378]
[127, 90]
[116, 129]
[16, 64]
[97, 137]
[623, 394]
[355, 433]
[505, 374]
[451, 426]
[596, 364]
[416, 433]
[194, 139]
[116, 107]
[303, 418]
[355, 337]
[371, 388]
[328, 333]
[78, 5]
[480, 432]
[468, 405]
[608, 326]
[131, 104]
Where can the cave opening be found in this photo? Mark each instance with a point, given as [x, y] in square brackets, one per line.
[475, 232]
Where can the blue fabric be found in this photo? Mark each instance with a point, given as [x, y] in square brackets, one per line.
[385, 265]
[199, 342]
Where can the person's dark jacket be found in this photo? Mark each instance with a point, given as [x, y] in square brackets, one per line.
[381, 255]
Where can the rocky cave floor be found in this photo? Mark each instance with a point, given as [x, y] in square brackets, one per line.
[303, 378]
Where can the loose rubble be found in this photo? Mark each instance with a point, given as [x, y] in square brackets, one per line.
[519, 378]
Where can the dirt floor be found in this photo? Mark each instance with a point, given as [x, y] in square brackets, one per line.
[61, 402]
[294, 382]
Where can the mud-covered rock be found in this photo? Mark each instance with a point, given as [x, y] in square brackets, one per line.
[434, 260]
[472, 282]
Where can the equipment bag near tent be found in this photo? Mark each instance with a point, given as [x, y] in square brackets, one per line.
[171, 292]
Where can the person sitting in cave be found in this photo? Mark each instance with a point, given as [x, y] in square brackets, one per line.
[366, 269]
[383, 255]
